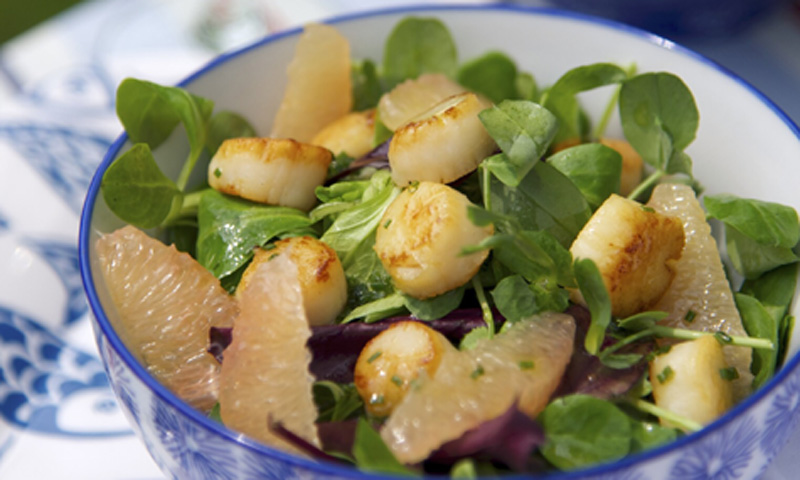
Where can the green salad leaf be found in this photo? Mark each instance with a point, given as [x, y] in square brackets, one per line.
[230, 227]
[594, 168]
[493, 75]
[523, 131]
[138, 192]
[561, 98]
[372, 455]
[416, 46]
[226, 125]
[582, 430]
[659, 116]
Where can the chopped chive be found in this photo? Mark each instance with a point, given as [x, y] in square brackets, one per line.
[377, 400]
[388, 222]
[217, 172]
[374, 356]
[648, 209]
[526, 365]
[665, 375]
[477, 372]
[689, 317]
[729, 373]
[397, 380]
[723, 338]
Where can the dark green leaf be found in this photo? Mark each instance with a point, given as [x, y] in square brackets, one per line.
[382, 307]
[642, 320]
[514, 298]
[544, 200]
[758, 322]
[752, 259]
[562, 101]
[372, 455]
[523, 131]
[594, 168]
[214, 413]
[336, 402]
[583, 430]
[230, 228]
[595, 294]
[366, 85]
[658, 115]
[647, 435]
[767, 223]
[149, 112]
[137, 191]
[416, 46]
[526, 87]
[226, 125]
[774, 289]
[492, 74]
[436, 307]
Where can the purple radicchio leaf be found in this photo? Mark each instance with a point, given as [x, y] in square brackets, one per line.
[300, 443]
[218, 340]
[586, 374]
[378, 158]
[510, 439]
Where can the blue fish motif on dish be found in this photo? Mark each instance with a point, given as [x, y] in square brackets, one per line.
[63, 259]
[48, 387]
[65, 158]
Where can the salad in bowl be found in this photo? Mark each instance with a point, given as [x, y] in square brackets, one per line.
[420, 262]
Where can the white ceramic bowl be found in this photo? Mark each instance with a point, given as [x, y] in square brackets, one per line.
[744, 145]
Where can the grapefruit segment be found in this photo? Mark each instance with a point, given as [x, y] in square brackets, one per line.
[700, 285]
[166, 303]
[265, 376]
[523, 364]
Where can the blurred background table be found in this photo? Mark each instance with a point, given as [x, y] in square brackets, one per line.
[58, 418]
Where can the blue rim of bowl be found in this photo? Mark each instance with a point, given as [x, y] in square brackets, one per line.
[348, 471]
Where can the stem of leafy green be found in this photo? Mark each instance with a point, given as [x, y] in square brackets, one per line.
[684, 334]
[486, 310]
[673, 418]
[646, 184]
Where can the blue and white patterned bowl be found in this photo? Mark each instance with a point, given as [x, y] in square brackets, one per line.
[745, 145]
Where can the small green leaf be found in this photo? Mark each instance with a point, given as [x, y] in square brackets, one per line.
[230, 227]
[596, 296]
[336, 402]
[659, 116]
[582, 430]
[753, 259]
[416, 46]
[492, 74]
[767, 223]
[471, 339]
[545, 200]
[377, 309]
[372, 455]
[758, 322]
[647, 435]
[523, 131]
[562, 101]
[136, 190]
[366, 85]
[436, 307]
[594, 168]
[226, 125]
